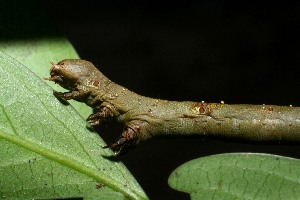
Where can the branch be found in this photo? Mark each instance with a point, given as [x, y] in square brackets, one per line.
[144, 118]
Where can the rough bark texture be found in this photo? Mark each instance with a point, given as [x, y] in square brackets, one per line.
[144, 117]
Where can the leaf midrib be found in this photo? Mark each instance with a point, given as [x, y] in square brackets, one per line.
[73, 164]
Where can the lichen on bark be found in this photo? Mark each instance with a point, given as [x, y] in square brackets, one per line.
[144, 118]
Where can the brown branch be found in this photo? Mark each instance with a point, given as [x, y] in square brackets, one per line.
[144, 118]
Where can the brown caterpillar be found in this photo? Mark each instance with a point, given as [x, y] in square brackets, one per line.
[144, 117]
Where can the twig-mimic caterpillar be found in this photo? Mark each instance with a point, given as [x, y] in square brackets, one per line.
[144, 117]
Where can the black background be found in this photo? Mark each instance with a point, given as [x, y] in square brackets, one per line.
[238, 52]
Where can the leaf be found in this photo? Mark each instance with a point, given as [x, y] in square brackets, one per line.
[27, 35]
[239, 176]
[45, 148]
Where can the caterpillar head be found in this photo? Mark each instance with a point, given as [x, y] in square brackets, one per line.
[70, 73]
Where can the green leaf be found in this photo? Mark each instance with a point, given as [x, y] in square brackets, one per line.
[45, 148]
[27, 35]
[239, 176]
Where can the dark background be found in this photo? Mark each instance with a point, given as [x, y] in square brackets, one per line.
[210, 50]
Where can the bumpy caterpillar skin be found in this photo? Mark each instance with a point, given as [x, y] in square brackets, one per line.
[145, 117]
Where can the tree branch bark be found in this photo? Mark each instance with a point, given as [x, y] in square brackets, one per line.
[144, 118]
